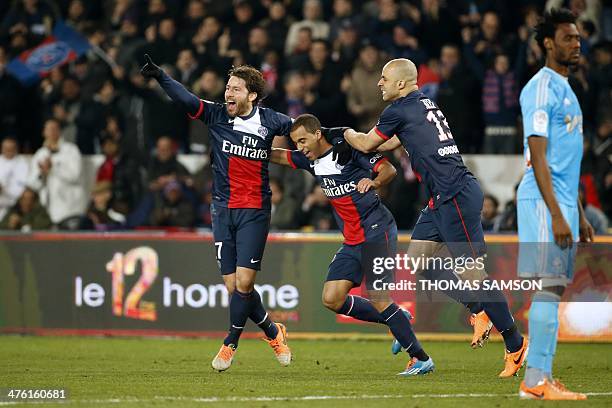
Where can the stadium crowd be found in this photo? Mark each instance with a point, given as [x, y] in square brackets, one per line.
[317, 56]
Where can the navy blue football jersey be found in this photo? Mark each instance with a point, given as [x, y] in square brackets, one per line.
[359, 216]
[424, 132]
[240, 151]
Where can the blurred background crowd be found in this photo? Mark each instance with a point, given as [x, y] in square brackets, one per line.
[317, 56]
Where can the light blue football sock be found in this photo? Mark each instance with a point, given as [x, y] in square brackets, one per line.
[543, 324]
[552, 346]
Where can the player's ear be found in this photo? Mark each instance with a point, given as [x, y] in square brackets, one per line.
[252, 96]
[401, 84]
[548, 42]
[318, 134]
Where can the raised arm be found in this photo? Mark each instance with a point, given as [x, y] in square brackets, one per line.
[175, 90]
[364, 142]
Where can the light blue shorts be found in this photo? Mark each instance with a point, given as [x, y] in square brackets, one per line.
[539, 255]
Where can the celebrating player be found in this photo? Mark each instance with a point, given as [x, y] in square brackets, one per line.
[452, 217]
[550, 215]
[367, 225]
[241, 136]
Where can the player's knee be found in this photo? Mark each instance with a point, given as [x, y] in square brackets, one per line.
[332, 301]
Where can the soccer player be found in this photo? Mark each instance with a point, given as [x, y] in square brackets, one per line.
[550, 215]
[241, 136]
[452, 217]
[367, 225]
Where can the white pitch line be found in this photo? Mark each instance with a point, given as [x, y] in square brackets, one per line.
[271, 399]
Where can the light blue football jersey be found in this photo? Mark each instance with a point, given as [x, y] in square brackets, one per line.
[550, 109]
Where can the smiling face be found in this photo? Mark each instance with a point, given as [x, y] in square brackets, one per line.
[307, 143]
[565, 47]
[238, 99]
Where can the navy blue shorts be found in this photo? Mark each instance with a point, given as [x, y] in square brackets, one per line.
[240, 237]
[353, 262]
[455, 222]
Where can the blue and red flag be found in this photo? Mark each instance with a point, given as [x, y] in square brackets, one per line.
[61, 47]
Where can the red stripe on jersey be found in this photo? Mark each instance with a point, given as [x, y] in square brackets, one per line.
[381, 134]
[245, 182]
[377, 165]
[290, 160]
[352, 229]
[199, 112]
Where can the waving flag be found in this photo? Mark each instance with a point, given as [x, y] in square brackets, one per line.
[63, 46]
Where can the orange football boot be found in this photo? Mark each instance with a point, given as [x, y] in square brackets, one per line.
[545, 390]
[482, 328]
[514, 361]
[280, 347]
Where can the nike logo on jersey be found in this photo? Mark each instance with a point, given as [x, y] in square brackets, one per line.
[254, 261]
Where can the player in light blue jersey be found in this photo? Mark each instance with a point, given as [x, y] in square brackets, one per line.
[550, 216]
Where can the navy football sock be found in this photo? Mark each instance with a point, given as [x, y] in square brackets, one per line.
[402, 330]
[361, 309]
[261, 318]
[239, 307]
[465, 297]
[499, 313]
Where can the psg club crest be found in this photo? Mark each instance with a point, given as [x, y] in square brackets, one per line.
[263, 131]
[48, 56]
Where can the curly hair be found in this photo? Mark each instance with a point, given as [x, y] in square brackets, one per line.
[549, 23]
[253, 79]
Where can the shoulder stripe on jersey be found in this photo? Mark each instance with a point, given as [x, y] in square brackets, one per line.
[381, 134]
[377, 165]
[200, 110]
[542, 90]
[290, 160]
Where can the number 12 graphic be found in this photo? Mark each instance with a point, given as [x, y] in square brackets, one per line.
[122, 265]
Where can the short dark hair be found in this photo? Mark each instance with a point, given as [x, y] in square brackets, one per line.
[308, 122]
[252, 77]
[549, 23]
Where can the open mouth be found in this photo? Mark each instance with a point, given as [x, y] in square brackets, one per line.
[231, 104]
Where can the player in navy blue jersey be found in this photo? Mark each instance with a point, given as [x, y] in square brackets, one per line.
[451, 220]
[241, 135]
[369, 232]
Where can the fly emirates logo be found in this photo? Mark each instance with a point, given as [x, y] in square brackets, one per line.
[248, 149]
[332, 189]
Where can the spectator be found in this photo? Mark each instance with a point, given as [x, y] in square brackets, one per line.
[508, 218]
[436, 26]
[284, 208]
[165, 167]
[316, 211]
[277, 25]
[240, 29]
[292, 102]
[100, 215]
[345, 16]
[13, 174]
[594, 215]
[93, 115]
[123, 173]
[456, 87]
[346, 46]
[500, 96]
[364, 98]
[257, 47]
[27, 215]
[67, 108]
[313, 14]
[55, 173]
[186, 67]
[489, 217]
[171, 208]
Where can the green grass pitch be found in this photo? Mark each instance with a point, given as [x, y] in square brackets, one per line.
[117, 372]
